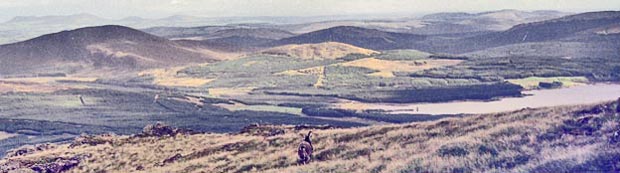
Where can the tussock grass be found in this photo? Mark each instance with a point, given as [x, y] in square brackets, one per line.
[558, 139]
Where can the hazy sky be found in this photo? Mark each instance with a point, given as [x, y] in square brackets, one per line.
[217, 8]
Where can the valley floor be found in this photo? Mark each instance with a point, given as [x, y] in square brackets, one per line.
[556, 139]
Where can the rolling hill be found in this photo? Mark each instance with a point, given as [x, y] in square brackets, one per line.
[564, 139]
[361, 37]
[489, 21]
[103, 47]
[579, 28]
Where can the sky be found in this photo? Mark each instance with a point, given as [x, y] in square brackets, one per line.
[116, 9]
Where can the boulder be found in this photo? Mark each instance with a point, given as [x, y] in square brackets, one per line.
[92, 140]
[48, 165]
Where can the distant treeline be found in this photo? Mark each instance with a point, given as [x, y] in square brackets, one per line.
[375, 116]
[443, 94]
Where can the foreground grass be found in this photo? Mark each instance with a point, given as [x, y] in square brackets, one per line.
[559, 139]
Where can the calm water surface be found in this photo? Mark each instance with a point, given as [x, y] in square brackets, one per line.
[586, 94]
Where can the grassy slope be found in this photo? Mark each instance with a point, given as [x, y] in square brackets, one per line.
[559, 139]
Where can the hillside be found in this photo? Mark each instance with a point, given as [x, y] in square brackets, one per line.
[488, 21]
[112, 47]
[580, 27]
[328, 50]
[565, 139]
[439, 23]
[361, 37]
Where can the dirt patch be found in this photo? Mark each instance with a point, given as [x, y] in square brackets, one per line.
[6, 135]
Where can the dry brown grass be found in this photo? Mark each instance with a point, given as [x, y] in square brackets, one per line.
[528, 140]
[5, 135]
[169, 77]
[386, 68]
[226, 92]
[327, 50]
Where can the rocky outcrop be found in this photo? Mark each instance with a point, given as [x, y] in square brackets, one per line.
[93, 140]
[315, 127]
[160, 130]
[29, 150]
[267, 130]
[50, 165]
[262, 130]
[57, 165]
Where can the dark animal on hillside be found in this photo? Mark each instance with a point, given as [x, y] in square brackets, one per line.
[305, 150]
[618, 106]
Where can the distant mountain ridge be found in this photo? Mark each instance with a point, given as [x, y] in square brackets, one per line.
[215, 32]
[577, 27]
[580, 31]
[441, 23]
[26, 27]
